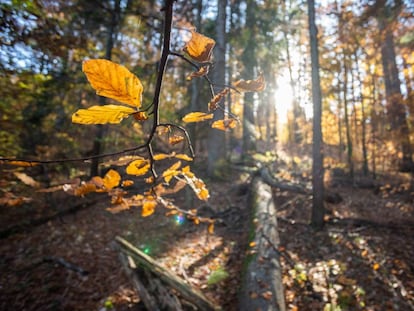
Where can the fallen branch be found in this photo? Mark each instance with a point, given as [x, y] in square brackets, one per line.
[153, 281]
[262, 285]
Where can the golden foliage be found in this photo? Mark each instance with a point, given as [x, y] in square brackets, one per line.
[113, 114]
[197, 117]
[257, 85]
[138, 167]
[113, 81]
[199, 47]
[224, 125]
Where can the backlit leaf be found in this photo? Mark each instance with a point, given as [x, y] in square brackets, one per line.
[211, 228]
[138, 167]
[197, 117]
[175, 139]
[224, 125]
[20, 163]
[140, 116]
[213, 104]
[199, 47]
[200, 73]
[127, 183]
[148, 206]
[102, 114]
[161, 156]
[26, 179]
[257, 85]
[111, 179]
[169, 173]
[113, 81]
[183, 157]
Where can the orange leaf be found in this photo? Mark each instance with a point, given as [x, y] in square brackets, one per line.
[175, 139]
[257, 85]
[213, 104]
[197, 117]
[85, 189]
[20, 163]
[199, 47]
[138, 167]
[200, 73]
[183, 157]
[148, 207]
[169, 173]
[113, 81]
[127, 183]
[224, 125]
[211, 228]
[375, 266]
[161, 156]
[111, 179]
[140, 116]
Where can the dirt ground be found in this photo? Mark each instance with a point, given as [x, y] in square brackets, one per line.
[361, 260]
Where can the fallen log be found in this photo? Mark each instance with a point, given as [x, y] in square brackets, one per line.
[159, 288]
[262, 282]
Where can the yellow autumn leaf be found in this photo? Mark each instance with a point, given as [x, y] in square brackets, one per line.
[113, 81]
[169, 173]
[161, 156]
[211, 228]
[175, 139]
[148, 207]
[138, 167]
[183, 157]
[26, 179]
[199, 47]
[257, 85]
[20, 163]
[111, 179]
[102, 114]
[224, 125]
[197, 117]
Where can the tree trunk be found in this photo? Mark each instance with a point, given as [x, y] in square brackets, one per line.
[395, 106]
[248, 58]
[102, 129]
[216, 139]
[349, 146]
[262, 285]
[318, 210]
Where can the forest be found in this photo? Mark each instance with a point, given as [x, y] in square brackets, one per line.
[206, 155]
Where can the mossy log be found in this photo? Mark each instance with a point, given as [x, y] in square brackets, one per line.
[262, 282]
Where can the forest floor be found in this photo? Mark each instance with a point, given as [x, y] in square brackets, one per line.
[361, 260]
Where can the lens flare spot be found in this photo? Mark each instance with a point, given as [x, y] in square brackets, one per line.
[179, 219]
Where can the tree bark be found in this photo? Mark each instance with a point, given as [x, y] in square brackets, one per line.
[318, 209]
[216, 139]
[262, 285]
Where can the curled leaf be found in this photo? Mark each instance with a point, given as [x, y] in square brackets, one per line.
[257, 85]
[140, 116]
[138, 167]
[213, 104]
[224, 125]
[199, 47]
[20, 163]
[200, 73]
[26, 179]
[113, 81]
[102, 114]
[197, 117]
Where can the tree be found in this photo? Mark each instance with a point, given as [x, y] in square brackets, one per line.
[318, 209]
[216, 138]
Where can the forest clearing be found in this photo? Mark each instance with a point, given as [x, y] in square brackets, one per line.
[207, 155]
